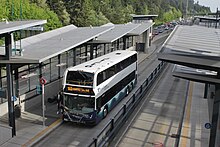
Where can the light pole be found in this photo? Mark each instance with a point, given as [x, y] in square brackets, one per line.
[186, 7]
[216, 18]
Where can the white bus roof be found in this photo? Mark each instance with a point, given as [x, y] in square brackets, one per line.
[103, 62]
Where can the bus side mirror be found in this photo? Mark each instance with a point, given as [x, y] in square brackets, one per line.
[98, 110]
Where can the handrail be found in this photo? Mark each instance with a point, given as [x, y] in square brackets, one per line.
[112, 126]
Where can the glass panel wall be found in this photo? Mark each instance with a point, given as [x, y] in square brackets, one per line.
[70, 58]
[114, 46]
[46, 70]
[120, 44]
[63, 63]
[3, 82]
[82, 55]
[88, 52]
[100, 49]
[77, 51]
[23, 73]
[54, 68]
[128, 42]
[108, 48]
[34, 76]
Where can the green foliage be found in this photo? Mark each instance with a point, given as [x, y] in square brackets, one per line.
[59, 8]
[95, 12]
[172, 14]
[24, 10]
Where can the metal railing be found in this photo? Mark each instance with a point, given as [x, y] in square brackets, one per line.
[112, 127]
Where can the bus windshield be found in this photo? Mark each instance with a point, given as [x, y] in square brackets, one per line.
[78, 104]
[79, 78]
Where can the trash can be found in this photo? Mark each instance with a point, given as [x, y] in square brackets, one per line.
[17, 111]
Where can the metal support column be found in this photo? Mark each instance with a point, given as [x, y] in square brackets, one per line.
[206, 91]
[11, 115]
[86, 52]
[59, 67]
[216, 24]
[91, 51]
[17, 85]
[104, 48]
[0, 76]
[124, 43]
[215, 115]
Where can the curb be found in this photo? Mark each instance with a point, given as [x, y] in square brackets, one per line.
[43, 133]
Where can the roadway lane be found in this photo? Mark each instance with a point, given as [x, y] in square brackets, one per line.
[71, 134]
[158, 116]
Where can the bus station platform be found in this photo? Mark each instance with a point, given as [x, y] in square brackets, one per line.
[150, 130]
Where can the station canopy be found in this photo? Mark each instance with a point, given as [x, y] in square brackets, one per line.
[38, 48]
[207, 18]
[120, 30]
[142, 27]
[147, 17]
[197, 47]
[117, 32]
[8, 27]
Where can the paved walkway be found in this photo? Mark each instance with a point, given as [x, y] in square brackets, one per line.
[194, 134]
[146, 131]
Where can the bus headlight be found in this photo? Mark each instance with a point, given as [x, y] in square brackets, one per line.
[88, 116]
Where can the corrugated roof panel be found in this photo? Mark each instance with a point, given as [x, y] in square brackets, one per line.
[11, 26]
[195, 39]
[61, 41]
[141, 28]
[193, 46]
[117, 32]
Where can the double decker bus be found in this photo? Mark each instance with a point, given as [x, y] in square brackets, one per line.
[93, 88]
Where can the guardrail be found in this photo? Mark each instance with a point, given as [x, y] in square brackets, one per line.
[112, 127]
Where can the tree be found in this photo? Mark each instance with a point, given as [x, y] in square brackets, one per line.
[23, 9]
[58, 6]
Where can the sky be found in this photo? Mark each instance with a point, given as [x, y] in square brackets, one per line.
[213, 4]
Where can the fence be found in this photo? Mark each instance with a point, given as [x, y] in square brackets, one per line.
[115, 123]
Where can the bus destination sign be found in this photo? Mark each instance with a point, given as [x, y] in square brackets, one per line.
[79, 90]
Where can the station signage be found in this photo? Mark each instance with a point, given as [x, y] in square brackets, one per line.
[208, 125]
[43, 81]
